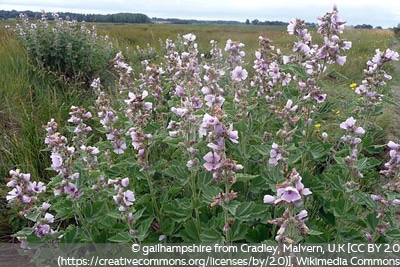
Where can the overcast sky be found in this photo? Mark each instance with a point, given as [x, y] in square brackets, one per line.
[385, 13]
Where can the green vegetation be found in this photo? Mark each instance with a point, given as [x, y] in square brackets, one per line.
[36, 87]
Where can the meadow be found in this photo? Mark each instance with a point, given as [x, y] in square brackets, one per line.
[242, 144]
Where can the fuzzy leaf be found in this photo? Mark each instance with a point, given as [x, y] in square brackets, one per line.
[212, 236]
[178, 209]
[244, 177]
[190, 233]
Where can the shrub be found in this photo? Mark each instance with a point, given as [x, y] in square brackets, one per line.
[65, 48]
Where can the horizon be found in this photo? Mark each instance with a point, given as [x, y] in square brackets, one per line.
[382, 13]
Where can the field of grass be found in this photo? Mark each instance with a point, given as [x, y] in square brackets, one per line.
[364, 41]
[29, 101]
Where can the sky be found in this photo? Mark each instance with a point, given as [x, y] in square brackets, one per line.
[384, 13]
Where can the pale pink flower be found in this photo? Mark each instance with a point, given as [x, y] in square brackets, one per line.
[37, 187]
[268, 199]
[396, 202]
[393, 145]
[212, 161]
[288, 194]
[239, 74]
[301, 215]
[233, 135]
[359, 131]
[391, 55]
[14, 193]
[49, 217]
[341, 60]
[189, 37]
[349, 123]
[125, 182]
[128, 198]
[292, 26]
[179, 111]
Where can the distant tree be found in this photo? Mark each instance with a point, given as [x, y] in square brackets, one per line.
[247, 21]
[363, 26]
[255, 22]
[396, 30]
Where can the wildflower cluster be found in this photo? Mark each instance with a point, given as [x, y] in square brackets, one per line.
[315, 59]
[269, 73]
[25, 194]
[375, 77]
[392, 167]
[137, 110]
[62, 158]
[352, 139]
[23, 191]
[108, 119]
[290, 194]
[124, 198]
[185, 69]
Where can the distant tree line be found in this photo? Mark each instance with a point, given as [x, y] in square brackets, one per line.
[363, 26]
[110, 18]
[270, 23]
[193, 21]
[130, 18]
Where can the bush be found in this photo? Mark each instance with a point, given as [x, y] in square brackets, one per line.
[66, 49]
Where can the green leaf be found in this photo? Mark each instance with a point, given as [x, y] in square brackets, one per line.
[173, 141]
[212, 236]
[313, 232]
[238, 231]
[294, 158]
[389, 100]
[258, 234]
[249, 211]
[115, 215]
[190, 233]
[335, 74]
[178, 209]
[143, 229]
[337, 207]
[33, 216]
[262, 149]
[177, 171]
[24, 232]
[93, 210]
[244, 177]
[121, 238]
[394, 234]
[334, 181]
[231, 206]
[204, 178]
[367, 163]
[209, 192]
[372, 222]
[320, 150]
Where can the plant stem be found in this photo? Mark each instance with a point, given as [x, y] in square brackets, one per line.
[153, 198]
